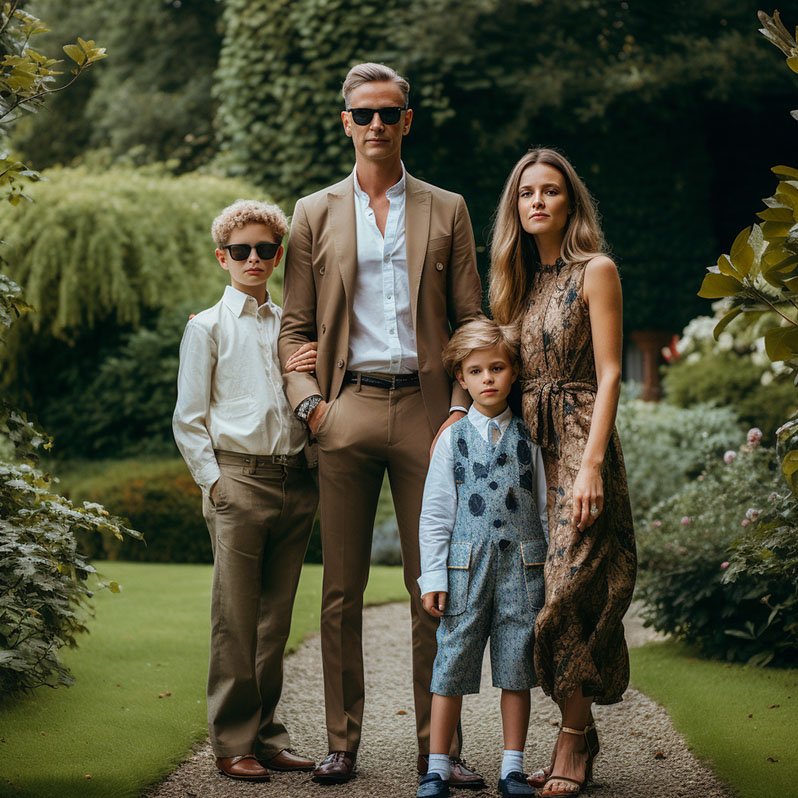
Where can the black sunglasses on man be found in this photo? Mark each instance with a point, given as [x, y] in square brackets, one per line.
[363, 116]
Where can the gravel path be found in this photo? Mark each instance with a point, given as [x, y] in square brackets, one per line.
[641, 754]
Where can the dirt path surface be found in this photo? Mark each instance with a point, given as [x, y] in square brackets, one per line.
[641, 753]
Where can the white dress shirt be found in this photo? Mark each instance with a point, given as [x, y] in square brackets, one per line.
[229, 387]
[439, 506]
[382, 337]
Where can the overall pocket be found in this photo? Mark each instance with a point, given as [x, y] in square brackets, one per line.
[459, 576]
[533, 556]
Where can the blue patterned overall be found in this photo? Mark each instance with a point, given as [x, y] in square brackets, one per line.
[495, 565]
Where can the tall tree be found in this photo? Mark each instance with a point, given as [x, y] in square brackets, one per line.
[153, 101]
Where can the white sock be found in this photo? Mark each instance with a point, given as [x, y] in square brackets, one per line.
[439, 763]
[512, 761]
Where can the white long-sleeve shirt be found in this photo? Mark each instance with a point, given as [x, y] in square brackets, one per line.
[382, 337]
[229, 387]
[439, 505]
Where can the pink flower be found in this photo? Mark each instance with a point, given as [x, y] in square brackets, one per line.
[686, 520]
[745, 522]
[754, 436]
[700, 477]
[729, 456]
[724, 565]
[773, 496]
[656, 523]
[752, 514]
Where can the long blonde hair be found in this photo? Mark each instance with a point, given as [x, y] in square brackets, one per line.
[513, 253]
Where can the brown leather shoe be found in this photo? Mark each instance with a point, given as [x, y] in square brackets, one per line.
[461, 776]
[338, 767]
[288, 760]
[244, 768]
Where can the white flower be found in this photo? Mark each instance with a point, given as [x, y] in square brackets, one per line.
[729, 456]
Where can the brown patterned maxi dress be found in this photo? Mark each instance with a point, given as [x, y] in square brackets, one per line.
[590, 575]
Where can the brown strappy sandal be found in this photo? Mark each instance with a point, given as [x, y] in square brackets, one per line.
[578, 784]
[539, 778]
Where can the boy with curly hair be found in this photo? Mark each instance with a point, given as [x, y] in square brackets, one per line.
[244, 448]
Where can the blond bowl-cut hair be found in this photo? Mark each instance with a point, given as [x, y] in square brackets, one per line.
[513, 253]
[243, 212]
[371, 72]
[480, 333]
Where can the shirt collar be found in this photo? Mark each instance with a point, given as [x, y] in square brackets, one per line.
[481, 421]
[237, 300]
[396, 190]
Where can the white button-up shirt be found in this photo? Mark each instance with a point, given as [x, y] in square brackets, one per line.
[382, 337]
[439, 506]
[229, 387]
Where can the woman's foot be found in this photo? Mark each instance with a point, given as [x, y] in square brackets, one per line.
[573, 766]
[539, 778]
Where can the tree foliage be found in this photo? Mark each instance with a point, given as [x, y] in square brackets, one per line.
[150, 102]
[43, 590]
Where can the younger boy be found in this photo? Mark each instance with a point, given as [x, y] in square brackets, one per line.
[244, 448]
[483, 543]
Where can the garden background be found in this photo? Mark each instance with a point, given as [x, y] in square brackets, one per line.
[674, 114]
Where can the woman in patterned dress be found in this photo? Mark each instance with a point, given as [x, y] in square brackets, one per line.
[548, 274]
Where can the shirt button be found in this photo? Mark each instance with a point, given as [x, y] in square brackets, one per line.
[439, 267]
[340, 364]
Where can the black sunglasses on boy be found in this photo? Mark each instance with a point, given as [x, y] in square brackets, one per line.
[363, 116]
[266, 250]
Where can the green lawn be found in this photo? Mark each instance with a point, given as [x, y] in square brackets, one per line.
[743, 720]
[112, 725]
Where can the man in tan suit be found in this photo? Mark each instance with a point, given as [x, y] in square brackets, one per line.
[380, 269]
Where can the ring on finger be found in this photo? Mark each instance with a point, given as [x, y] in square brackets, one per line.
[594, 510]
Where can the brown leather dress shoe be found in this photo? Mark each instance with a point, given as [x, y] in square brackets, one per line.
[461, 776]
[288, 760]
[244, 768]
[338, 767]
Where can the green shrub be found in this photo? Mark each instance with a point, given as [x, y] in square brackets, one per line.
[43, 578]
[688, 543]
[730, 379]
[161, 500]
[665, 446]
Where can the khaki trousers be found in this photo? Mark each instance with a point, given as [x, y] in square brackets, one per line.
[364, 431]
[259, 531]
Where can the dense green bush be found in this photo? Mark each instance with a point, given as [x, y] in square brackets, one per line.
[691, 539]
[665, 446]
[161, 500]
[733, 371]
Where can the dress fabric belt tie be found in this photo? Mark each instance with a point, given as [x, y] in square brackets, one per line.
[548, 409]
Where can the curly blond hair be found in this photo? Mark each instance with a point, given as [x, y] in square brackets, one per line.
[480, 333]
[243, 212]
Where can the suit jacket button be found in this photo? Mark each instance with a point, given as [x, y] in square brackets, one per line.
[322, 270]
[340, 364]
[439, 267]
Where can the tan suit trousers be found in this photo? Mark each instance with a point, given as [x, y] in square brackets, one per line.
[364, 431]
[259, 531]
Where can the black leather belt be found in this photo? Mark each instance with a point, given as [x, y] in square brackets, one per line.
[386, 381]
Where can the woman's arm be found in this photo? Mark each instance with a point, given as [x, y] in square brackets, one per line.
[602, 294]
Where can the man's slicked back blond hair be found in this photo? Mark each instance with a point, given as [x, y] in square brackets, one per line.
[373, 73]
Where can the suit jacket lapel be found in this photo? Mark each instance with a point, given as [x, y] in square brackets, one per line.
[417, 217]
[343, 225]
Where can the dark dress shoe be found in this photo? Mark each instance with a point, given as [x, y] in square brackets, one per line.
[244, 768]
[433, 786]
[338, 767]
[514, 784]
[288, 760]
[461, 776]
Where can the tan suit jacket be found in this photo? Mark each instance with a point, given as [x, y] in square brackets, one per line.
[320, 271]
